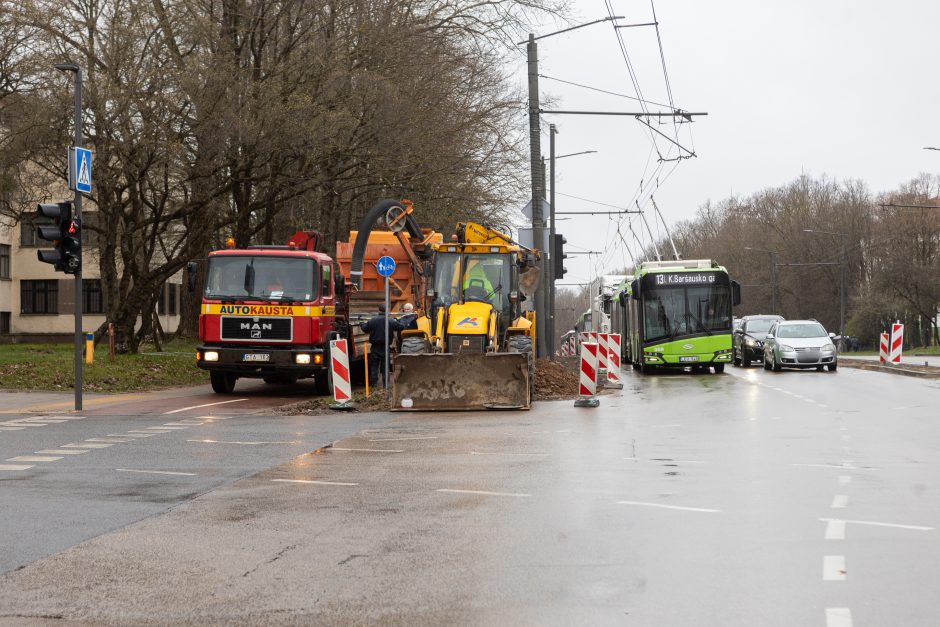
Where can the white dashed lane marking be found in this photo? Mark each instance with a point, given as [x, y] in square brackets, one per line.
[835, 530]
[131, 435]
[157, 472]
[34, 458]
[340, 483]
[838, 617]
[663, 506]
[840, 501]
[87, 445]
[108, 440]
[14, 467]
[834, 568]
[62, 451]
[483, 492]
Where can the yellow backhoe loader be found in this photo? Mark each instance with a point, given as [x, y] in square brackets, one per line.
[474, 345]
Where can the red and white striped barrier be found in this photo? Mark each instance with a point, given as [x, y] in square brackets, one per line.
[564, 348]
[587, 381]
[339, 366]
[613, 361]
[883, 348]
[573, 344]
[897, 342]
[602, 339]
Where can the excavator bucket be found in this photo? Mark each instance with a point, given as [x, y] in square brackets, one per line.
[461, 381]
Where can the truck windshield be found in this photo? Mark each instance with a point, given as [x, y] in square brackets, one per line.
[486, 279]
[249, 277]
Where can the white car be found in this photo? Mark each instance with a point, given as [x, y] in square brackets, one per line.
[799, 344]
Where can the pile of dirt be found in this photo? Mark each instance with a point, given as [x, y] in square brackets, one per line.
[379, 400]
[556, 380]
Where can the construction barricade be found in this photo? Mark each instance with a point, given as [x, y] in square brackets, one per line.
[883, 348]
[897, 343]
[587, 380]
[613, 361]
[339, 370]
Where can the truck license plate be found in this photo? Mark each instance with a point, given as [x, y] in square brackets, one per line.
[256, 357]
[689, 358]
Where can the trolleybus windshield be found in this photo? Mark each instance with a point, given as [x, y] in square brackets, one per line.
[670, 312]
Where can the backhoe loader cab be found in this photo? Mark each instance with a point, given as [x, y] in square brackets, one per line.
[474, 349]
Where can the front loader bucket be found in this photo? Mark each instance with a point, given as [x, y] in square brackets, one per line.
[461, 381]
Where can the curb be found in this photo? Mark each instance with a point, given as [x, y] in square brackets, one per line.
[875, 367]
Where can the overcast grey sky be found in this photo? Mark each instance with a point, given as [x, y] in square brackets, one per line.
[846, 89]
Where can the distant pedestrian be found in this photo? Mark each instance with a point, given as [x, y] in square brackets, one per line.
[375, 327]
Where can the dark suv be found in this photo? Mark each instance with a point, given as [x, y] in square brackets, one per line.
[747, 344]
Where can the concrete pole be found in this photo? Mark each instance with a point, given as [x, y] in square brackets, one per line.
[538, 193]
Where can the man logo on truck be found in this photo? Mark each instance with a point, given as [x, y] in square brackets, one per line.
[266, 326]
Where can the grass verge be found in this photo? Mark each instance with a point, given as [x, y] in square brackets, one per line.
[50, 367]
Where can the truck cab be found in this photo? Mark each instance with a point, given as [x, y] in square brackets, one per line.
[267, 312]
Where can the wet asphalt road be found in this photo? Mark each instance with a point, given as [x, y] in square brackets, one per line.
[751, 498]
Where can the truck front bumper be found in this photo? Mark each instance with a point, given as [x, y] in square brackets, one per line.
[260, 362]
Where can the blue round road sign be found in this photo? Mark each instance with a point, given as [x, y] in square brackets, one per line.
[385, 265]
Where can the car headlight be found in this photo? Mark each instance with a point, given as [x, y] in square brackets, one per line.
[786, 349]
[750, 341]
[828, 348]
[210, 356]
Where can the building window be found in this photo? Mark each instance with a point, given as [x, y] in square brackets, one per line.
[4, 261]
[4, 322]
[28, 226]
[39, 297]
[92, 302]
[172, 296]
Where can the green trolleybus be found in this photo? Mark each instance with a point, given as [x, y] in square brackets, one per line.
[677, 314]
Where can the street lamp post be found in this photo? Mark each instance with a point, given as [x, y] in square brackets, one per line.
[845, 239]
[773, 275]
[552, 131]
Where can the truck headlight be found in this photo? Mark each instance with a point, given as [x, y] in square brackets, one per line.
[302, 359]
[210, 356]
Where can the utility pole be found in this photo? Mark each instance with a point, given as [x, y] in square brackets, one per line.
[538, 194]
[77, 215]
[551, 242]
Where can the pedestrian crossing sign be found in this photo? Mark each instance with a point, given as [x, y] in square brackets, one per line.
[80, 170]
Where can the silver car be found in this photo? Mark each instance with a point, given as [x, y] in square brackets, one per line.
[799, 344]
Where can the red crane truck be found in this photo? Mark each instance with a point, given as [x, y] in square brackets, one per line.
[269, 312]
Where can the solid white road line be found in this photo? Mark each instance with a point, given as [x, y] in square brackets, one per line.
[881, 524]
[14, 467]
[840, 501]
[181, 409]
[157, 472]
[509, 453]
[312, 481]
[34, 458]
[835, 529]
[687, 509]
[838, 617]
[834, 568]
[845, 479]
[483, 492]
[61, 451]
[233, 442]
[364, 450]
[422, 437]
[87, 445]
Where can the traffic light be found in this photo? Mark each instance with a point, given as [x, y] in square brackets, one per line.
[560, 256]
[66, 232]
